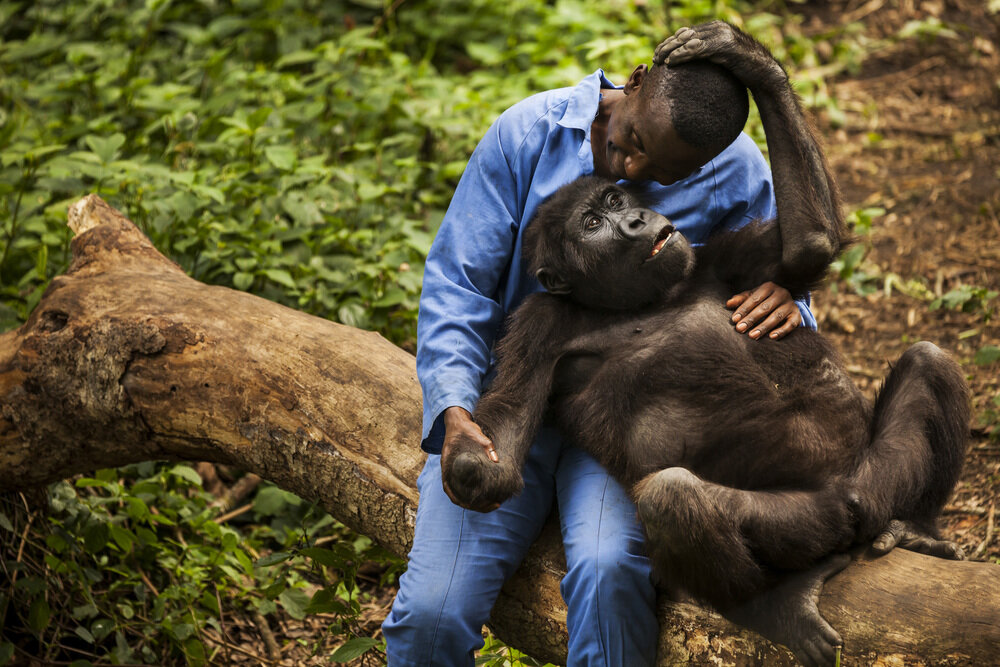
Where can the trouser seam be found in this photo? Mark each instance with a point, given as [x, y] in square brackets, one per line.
[451, 580]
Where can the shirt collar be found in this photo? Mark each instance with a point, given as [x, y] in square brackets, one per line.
[584, 100]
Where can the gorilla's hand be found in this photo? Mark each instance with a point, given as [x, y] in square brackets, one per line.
[473, 475]
[725, 45]
[909, 536]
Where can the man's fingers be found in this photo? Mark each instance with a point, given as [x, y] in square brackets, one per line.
[491, 452]
[737, 299]
[772, 321]
[751, 303]
[790, 325]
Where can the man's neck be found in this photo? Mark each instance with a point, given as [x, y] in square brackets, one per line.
[599, 130]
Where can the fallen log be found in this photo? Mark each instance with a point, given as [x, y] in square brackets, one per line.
[128, 359]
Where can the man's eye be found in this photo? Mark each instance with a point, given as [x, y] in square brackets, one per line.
[636, 141]
[593, 222]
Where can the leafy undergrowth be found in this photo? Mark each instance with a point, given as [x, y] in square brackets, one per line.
[144, 565]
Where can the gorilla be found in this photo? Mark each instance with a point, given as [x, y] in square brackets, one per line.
[754, 465]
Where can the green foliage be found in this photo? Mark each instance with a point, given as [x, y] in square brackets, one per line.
[968, 299]
[497, 654]
[852, 267]
[986, 355]
[989, 419]
[133, 565]
[301, 150]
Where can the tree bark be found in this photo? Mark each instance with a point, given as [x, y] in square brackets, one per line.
[128, 359]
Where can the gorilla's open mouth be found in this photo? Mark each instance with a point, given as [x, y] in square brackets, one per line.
[661, 240]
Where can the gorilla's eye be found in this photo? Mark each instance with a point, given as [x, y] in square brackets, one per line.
[614, 199]
[593, 222]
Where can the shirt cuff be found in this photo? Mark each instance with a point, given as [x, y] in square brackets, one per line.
[448, 391]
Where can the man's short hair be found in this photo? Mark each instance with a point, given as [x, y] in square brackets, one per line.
[708, 106]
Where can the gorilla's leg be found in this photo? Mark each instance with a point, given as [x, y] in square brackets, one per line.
[722, 544]
[788, 614]
[726, 545]
[918, 441]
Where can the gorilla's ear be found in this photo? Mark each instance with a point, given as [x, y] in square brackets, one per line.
[552, 281]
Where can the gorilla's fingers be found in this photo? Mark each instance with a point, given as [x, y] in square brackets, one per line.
[671, 43]
[690, 50]
[829, 567]
[889, 538]
[930, 546]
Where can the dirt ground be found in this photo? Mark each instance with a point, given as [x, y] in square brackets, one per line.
[922, 141]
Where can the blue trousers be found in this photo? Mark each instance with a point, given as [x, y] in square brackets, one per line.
[460, 559]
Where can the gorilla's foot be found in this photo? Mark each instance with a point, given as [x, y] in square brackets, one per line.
[477, 483]
[787, 614]
[693, 530]
[908, 535]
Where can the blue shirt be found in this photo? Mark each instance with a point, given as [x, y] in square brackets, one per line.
[474, 274]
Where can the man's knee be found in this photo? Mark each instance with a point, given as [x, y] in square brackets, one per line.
[429, 629]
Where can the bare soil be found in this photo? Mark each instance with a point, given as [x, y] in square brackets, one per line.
[922, 141]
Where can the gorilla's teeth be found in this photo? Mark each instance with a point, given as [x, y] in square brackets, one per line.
[659, 245]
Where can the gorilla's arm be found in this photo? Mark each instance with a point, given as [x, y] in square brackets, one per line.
[510, 411]
[811, 225]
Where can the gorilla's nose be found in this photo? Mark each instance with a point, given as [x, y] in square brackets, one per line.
[635, 222]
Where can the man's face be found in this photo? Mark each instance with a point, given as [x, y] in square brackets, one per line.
[642, 143]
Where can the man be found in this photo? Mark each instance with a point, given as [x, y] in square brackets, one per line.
[676, 134]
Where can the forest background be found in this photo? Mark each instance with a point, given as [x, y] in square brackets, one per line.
[305, 151]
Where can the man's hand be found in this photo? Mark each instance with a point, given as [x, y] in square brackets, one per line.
[458, 425]
[767, 307]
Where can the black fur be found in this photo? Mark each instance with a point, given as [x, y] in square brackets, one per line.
[791, 461]
[746, 459]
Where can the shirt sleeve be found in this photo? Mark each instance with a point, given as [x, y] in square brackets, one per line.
[460, 313]
[748, 195]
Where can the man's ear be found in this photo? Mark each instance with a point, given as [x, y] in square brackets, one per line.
[635, 80]
[552, 281]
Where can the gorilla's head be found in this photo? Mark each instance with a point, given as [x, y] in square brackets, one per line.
[594, 243]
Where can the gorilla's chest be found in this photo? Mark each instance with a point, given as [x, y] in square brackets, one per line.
[671, 347]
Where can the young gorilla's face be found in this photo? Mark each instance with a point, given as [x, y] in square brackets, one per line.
[642, 143]
[602, 249]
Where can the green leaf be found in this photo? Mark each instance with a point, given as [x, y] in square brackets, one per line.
[353, 649]
[392, 297]
[39, 615]
[84, 634]
[281, 277]
[5, 523]
[258, 117]
[95, 537]
[106, 148]
[242, 280]
[987, 355]
[182, 631]
[6, 652]
[282, 157]
[325, 601]
[322, 556]
[271, 559]
[186, 472]
[122, 537]
[295, 601]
